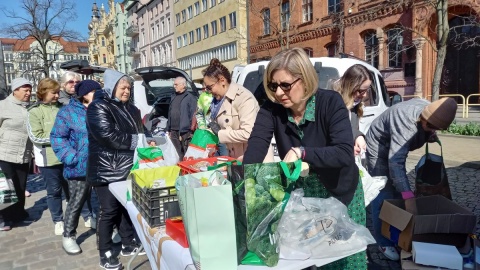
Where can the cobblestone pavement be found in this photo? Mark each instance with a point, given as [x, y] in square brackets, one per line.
[33, 244]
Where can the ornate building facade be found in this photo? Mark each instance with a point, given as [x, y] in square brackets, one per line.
[101, 40]
[123, 60]
[394, 36]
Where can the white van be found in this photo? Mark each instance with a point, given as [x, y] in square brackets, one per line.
[328, 70]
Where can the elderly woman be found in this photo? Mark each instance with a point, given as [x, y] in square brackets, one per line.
[232, 111]
[113, 125]
[353, 87]
[68, 81]
[41, 117]
[69, 139]
[312, 125]
[15, 148]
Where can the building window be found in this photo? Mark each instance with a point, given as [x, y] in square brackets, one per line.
[197, 8]
[233, 20]
[334, 6]
[104, 57]
[157, 30]
[285, 15]
[199, 34]
[184, 16]
[204, 5]
[153, 33]
[167, 30]
[190, 12]
[162, 31]
[177, 19]
[214, 28]
[179, 42]
[192, 37]
[266, 21]
[213, 3]
[309, 51]
[143, 39]
[103, 42]
[331, 49]
[223, 24]
[307, 8]
[185, 42]
[205, 31]
[394, 47]
[371, 49]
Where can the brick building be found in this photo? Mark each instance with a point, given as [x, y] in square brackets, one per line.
[391, 35]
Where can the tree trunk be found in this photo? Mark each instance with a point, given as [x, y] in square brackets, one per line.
[442, 38]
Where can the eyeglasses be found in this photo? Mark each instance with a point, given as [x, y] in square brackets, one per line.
[363, 91]
[209, 87]
[284, 86]
[72, 81]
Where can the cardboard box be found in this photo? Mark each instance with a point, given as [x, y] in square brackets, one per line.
[438, 221]
[437, 255]
[408, 264]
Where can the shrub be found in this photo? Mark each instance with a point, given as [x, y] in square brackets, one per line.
[470, 129]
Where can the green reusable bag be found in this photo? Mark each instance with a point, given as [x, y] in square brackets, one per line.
[203, 144]
[207, 213]
[148, 157]
[261, 192]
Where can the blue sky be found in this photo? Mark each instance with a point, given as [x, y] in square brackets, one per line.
[84, 13]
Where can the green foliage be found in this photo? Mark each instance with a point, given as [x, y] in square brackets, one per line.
[470, 129]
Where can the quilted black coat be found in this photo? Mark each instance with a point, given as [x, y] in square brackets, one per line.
[111, 126]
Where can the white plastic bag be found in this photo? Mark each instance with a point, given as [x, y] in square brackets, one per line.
[170, 155]
[315, 228]
[8, 196]
[141, 143]
[371, 185]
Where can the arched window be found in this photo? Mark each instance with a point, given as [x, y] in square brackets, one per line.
[371, 48]
[331, 49]
[103, 41]
[395, 43]
[104, 57]
[309, 51]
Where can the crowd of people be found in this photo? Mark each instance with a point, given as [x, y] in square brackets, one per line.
[84, 136]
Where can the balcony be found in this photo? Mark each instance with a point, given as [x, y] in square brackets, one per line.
[132, 31]
[133, 51]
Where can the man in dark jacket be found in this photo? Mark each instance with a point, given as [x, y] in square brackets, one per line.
[113, 125]
[183, 106]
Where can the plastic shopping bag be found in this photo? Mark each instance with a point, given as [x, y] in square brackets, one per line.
[203, 145]
[371, 185]
[265, 189]
[8, 196]
[315, 228]
[207, 209]
[170, 154]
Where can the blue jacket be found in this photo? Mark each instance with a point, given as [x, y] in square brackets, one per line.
[69, 139]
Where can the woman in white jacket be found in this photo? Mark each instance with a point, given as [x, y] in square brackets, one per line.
[15, 148]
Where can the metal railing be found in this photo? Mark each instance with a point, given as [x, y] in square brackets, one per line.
[471, 104]
[412, 96]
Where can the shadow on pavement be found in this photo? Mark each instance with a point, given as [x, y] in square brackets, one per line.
[84, 236]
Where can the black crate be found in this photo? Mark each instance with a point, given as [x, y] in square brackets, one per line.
[155, 204]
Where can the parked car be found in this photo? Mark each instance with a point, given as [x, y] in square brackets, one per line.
[328, 70]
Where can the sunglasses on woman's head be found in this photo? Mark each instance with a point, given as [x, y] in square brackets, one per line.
[284, 86]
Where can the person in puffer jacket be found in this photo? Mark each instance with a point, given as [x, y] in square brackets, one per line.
[69, 138]
[113, 125]
[41, 117]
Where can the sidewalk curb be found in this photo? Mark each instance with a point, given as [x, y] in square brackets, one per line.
[458, 136]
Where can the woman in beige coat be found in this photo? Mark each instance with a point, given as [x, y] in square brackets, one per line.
[15, 148]
[233, 109]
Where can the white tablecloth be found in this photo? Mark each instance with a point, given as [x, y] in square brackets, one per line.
[172, 256]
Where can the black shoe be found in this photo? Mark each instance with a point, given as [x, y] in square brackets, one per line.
[109, 262]
[131, 249]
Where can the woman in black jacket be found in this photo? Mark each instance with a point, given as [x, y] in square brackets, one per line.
[313, 125]
[113, 126]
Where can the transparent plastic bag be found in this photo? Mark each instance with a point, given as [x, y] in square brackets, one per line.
[371, 184]
[315, 228]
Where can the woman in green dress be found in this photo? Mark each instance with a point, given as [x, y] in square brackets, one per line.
[313, 125]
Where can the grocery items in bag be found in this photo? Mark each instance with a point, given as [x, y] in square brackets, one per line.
[315, 228]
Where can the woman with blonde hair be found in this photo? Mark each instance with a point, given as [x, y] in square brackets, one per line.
[353, 87]
[67, 84]
[41, 117]
[310, 124]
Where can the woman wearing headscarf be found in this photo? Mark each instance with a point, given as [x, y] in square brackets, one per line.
[113, 125]
[15, 148]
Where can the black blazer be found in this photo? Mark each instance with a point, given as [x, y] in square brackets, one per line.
[328, 142]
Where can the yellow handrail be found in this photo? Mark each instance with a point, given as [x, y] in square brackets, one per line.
[464, 108]
[474, 104]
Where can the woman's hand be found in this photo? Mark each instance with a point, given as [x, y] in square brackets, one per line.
[360, 144]
[152, 143]
[292, 155]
